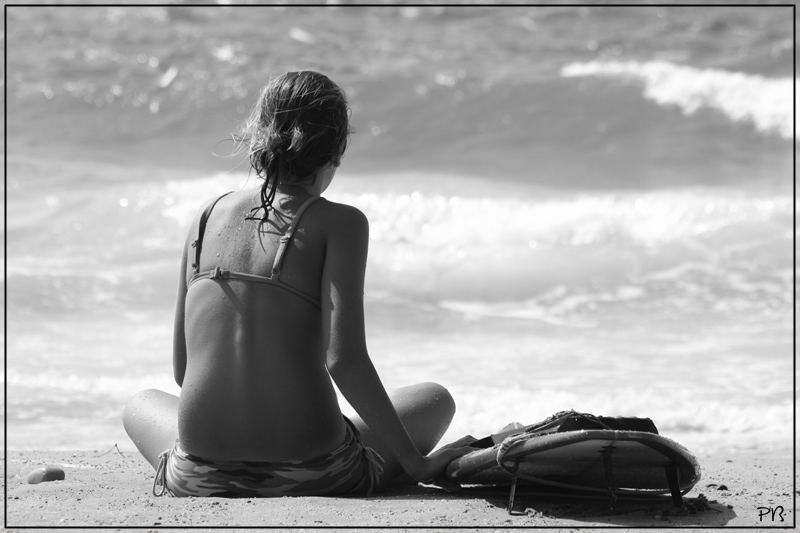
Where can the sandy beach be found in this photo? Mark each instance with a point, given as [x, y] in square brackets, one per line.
[109, 489]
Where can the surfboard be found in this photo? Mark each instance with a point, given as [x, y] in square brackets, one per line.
[615, 462]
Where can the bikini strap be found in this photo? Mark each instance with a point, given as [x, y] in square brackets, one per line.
[287, 237]
[198, 243]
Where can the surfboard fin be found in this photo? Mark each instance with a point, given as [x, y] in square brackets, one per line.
[512, 493]
[674, 486]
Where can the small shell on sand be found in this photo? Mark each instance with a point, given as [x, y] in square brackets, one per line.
[46, 473]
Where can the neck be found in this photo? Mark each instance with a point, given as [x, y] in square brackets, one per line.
[314, 185]
[295, 189]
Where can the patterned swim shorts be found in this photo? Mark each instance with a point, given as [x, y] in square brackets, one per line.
[352, 468]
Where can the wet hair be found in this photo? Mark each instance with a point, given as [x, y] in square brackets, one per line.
[299, 124]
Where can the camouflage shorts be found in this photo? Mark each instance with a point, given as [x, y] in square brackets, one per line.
[352, 468]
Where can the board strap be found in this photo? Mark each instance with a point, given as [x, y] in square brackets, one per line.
[608, 471]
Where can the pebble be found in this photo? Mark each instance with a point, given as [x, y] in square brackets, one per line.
[46, 473]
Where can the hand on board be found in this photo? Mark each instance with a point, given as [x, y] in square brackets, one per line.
[434, 464]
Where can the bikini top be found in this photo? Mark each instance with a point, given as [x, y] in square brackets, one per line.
[274, 279]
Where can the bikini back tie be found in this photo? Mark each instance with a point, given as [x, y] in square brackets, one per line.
[219, 273]
[287, 238]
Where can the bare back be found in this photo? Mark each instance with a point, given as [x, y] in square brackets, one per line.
[255, 385]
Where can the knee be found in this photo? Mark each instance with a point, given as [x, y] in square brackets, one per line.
[136, 405]
[133, 407]
[425, 399]
[439, 408]
[143, 396]
[441, 398]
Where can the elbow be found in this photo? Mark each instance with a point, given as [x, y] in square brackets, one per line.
[179, 370]
[340, 367]
[179, 362]
[179, 377]
[334, 365]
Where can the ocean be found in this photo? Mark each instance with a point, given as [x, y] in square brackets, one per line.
[583, 208]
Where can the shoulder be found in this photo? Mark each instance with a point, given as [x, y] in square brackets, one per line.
[205, 210]
[216, 203]
[342, 218]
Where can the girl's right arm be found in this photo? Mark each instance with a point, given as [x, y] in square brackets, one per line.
[179, 334]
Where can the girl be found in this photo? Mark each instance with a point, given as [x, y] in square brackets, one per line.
[270, 304]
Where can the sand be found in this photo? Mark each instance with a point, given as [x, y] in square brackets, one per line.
[110, 489]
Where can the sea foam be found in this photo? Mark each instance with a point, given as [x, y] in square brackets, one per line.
[766, 103]
[438, 246]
